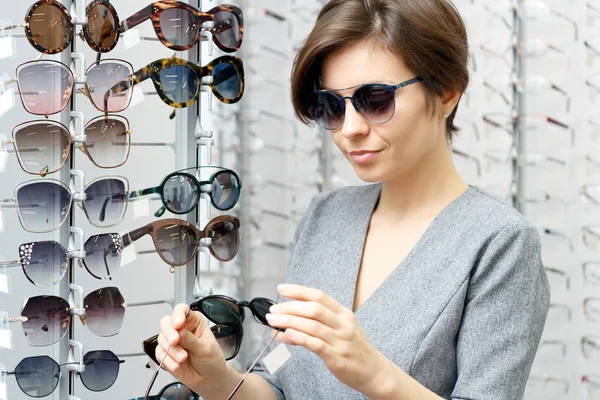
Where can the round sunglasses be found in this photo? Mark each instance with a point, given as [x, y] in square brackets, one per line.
[180, 191]
[43, 147]
[49, 27]
[39, 376]
[375, 102]
[46, 319]
[178, 25]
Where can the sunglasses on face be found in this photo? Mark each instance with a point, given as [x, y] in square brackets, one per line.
[38, 376]
[178, 25]
[375, 102]
[46, 86]
[49, 26]
[43, 205]
[43, 147]
[180, 191]
[229, 339]
[177, 241]
[46, 319]
[178, 81]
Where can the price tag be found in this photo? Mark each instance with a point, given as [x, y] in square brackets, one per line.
[4, 283]
[3, 394]
[131, 38]
[6, 340]
[137, 97]
[275, 359]
[141, 208]
[6, 47]
[7, 101]
[128, 255]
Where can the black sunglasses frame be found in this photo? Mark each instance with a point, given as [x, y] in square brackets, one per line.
[197, 306]
[342, 99]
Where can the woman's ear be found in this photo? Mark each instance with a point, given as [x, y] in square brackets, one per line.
[449, 101]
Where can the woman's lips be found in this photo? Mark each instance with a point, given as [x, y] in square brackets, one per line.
[363, 156]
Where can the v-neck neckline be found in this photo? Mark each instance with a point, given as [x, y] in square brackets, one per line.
[376, 194]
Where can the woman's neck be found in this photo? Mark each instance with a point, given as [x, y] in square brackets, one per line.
[423, 191]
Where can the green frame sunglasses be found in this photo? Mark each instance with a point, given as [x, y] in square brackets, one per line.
[180, 191]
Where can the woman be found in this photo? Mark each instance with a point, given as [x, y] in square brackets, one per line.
[417, 287]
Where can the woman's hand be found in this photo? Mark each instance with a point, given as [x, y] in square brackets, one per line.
[320, 324]
[195, 357]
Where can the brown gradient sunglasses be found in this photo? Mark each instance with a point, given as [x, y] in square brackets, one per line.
[178, 25]
[49, 26]
[176, 241]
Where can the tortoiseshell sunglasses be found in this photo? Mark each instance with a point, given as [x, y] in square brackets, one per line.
[49, 26]
[178, 25]
[178, 81]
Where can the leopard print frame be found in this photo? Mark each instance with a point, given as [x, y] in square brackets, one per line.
[114, 33]
[29, 34]
[153, 70]
[153, 11]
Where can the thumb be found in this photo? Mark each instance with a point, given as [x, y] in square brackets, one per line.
[183, 318]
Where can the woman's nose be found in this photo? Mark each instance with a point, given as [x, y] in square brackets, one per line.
[354, 124]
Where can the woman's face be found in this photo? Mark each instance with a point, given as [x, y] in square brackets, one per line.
[381, 152]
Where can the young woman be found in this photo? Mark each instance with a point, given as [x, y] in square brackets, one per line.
[415, 287]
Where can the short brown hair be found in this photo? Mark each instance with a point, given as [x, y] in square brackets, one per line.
[429, 35]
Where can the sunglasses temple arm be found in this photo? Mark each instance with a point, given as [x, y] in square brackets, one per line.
[138, 77]
[235, 389]
[142, 192]
[14, 263]
[134, 235]
[136, 19]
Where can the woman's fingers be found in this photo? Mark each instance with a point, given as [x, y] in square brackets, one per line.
[190, 322]
[307, 309]
[169, 363]
[299, 292]
[176, 352]
[309, 327]
[168, 331]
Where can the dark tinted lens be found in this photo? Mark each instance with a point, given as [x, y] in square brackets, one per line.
[101, 27]
[179, 26]
[224, 240]
[326, 109]
[105, 201]
[49, 27]
[225, 190]
[44, 263]
[104, 311]
[107, 142]
[179, 83]
[101, 370]
[110, 85]
[375, 103]
[42, 147]
[227, 29]
[43, 206]
[48, 319]
[45, 86]
[176, 243]
[103, 254]
[37, 376]
[221, 311]
[177, 391]
[226, 80]
[180, 193]
[260, 308]
[228, 339]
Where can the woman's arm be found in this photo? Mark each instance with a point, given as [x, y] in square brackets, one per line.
[254, 387]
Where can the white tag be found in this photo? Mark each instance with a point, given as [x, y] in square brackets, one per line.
[4, 284]
[6, 47]
[137, 97]
[3, 395]
[131, 38]
[7, 101]
[6, 340]
[275, 360]
[128, 255]
[141, 208]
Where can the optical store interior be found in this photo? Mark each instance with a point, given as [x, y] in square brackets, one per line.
[172, 169]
